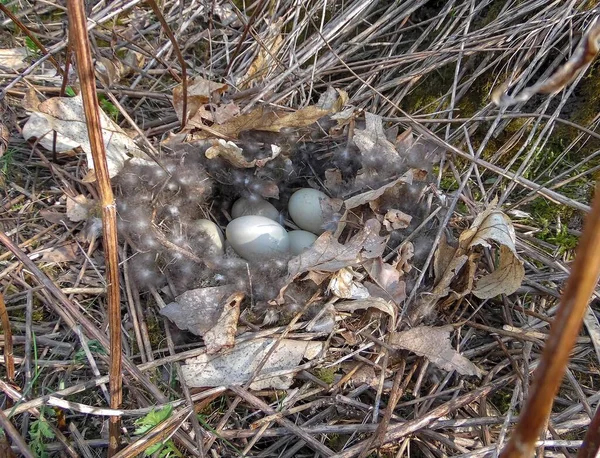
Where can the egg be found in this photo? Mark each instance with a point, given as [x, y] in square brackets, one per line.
[254, 206]
[257, 238]
[300, 241]
[305, 209]
[213, 232]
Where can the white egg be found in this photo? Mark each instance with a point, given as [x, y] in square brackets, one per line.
[305, 209]
[212, 231]
[300, 241]
[255, 206]
[256, 238]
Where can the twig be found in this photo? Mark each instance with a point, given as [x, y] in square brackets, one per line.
[79, 38]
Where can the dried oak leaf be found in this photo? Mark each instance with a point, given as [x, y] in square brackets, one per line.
[78, 208]
[65, 116]
[343, 285]
[222, 334]
[494, 226]
[266, 61]
[235, 366]
[378, 303]
[328, 255]
[198, 310]
[64, 253]
[387, 279]
[13, 58]
[234, 154]
[434, 344]
[372, 140]
[200, 92]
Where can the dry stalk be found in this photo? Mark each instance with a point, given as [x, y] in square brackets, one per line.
[79, 37]
[564, 331]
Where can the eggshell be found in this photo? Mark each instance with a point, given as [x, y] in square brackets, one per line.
[255, 206]
[305, 209]
[212, 231]
[300, 241]
[257, 238]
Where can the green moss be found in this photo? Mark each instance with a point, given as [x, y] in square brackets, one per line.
[327, 374]
[426, 95]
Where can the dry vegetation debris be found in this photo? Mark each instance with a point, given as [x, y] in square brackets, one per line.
[411, 324]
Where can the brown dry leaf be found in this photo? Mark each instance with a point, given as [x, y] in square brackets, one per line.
[444, 254]
[13, 59]
[387, 278]
[31, 101]
[235, 366]
[265, 62]
[396, 219]
[198, 310]
[65, 116]
[234, 154]
[78, 208]
[108, 71]
[333, 100]
[64, 253]
[328, 255]
[373, 302]
[361, 374]
[343, 285]
[372, 141]
[222, 334]
[434, 344]
[582, 57]
[490, 225]
[200, 92]
[301, 118]
[370, 196]
[407, 252]
[493, 225]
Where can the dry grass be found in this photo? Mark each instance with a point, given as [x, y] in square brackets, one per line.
[429, 65]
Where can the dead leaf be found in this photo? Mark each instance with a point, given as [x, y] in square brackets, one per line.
[235, 366]
[407, 252]
[373, 302]
[490, 225]
[14, 58]
[200, 92]
[266, 60]
[78, 208]
[434, 344]
[65, 116]
[328, 255]
[343, 285]
[222, 334]
[108, 71]
[442, 258]
[234, 154]
[373, 143]
[333, 100]
[582, 57]
[370, 196]
[301, 118]
[493, 225]
[31, 101]
[396, 219]
[64, 253]
[198, 310]
[387, 279]
[505, 279]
